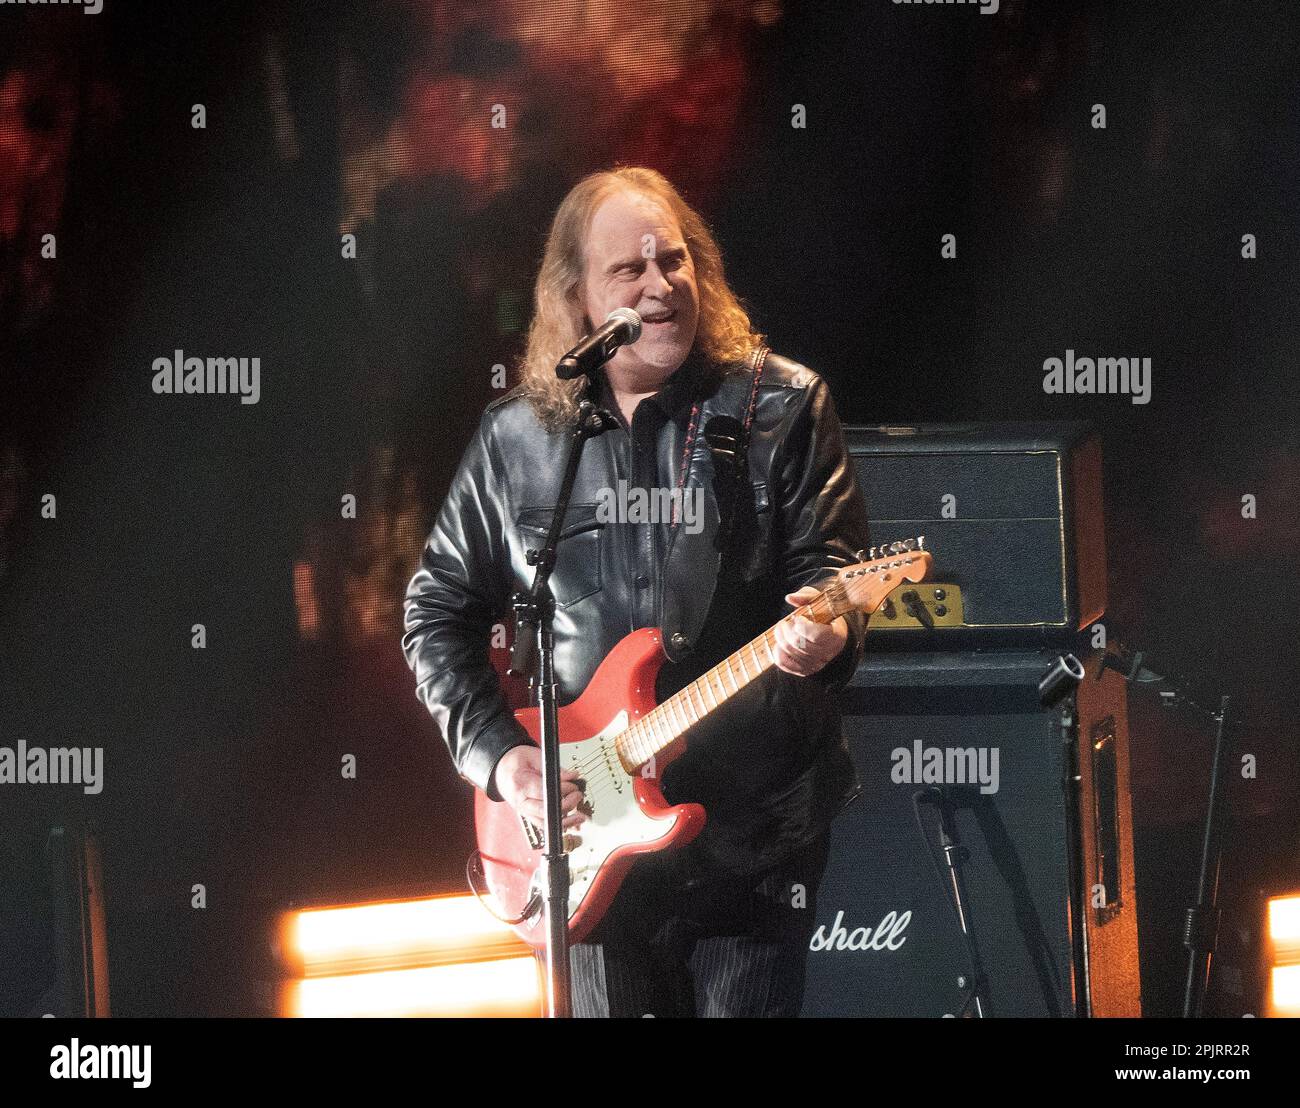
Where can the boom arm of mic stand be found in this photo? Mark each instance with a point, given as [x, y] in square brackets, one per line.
[1200, 925]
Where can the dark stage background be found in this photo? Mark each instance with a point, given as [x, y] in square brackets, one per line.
[374, 119]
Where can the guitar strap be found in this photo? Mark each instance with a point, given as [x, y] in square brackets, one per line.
[759, 360]
[735, 467]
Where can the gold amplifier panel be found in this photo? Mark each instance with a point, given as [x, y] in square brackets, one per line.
[919, 607]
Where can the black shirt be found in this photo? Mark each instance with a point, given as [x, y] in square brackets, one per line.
[640, 455]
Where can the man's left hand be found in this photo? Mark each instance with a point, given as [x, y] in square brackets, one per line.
[803, 646]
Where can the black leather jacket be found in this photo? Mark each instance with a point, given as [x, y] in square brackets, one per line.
[771, 767]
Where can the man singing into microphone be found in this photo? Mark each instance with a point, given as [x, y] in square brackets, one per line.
[720, 927]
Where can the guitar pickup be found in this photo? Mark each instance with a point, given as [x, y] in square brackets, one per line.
[537, 838]
[534, 833]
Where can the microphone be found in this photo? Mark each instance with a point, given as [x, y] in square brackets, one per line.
[621, 327]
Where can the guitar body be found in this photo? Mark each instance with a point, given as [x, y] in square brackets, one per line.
[627, 813]
[619, 740]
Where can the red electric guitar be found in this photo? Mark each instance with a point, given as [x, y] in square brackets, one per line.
[620, 741]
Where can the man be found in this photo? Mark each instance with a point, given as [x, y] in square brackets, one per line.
[720, 927]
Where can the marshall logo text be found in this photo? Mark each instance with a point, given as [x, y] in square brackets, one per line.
[887, 936]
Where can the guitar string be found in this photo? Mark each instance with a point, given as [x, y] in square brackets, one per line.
[685, 708]
[595, 769]
[835, 588]
[596, 758]
[665, 716]
[598, 775]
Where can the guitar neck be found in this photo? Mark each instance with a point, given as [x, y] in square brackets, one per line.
[669, 721]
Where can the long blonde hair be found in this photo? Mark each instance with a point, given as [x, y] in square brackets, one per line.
[724, 334]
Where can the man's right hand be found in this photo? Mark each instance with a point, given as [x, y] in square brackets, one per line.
[518, 778]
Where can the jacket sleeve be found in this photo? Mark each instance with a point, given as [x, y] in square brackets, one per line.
[451, 602]
[822, 515]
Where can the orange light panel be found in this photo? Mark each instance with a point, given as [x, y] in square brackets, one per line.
[505, 987]
[1285, 991]
[395, 934]
[1284, 921]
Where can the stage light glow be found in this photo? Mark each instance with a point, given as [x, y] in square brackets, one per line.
[1282, 930]
[1284, 991]
[1284, 921]
[394, 934]
[504, 987]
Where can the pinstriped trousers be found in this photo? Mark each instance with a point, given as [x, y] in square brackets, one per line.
[722, 947]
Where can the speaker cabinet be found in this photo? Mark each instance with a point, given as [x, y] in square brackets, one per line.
[1039, 800]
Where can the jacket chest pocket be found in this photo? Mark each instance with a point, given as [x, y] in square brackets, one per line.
[577, 555]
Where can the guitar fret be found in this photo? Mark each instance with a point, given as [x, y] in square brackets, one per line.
[697, 701]
[688, 709]
[705, 694]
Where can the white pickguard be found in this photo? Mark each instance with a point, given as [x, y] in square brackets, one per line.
[615, 819]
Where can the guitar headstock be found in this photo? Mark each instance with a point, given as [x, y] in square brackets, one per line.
[865, 584]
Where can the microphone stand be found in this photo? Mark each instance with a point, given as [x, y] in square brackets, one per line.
[976, 990]
[534, 653]
[1201, 922]
[1201, 925]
